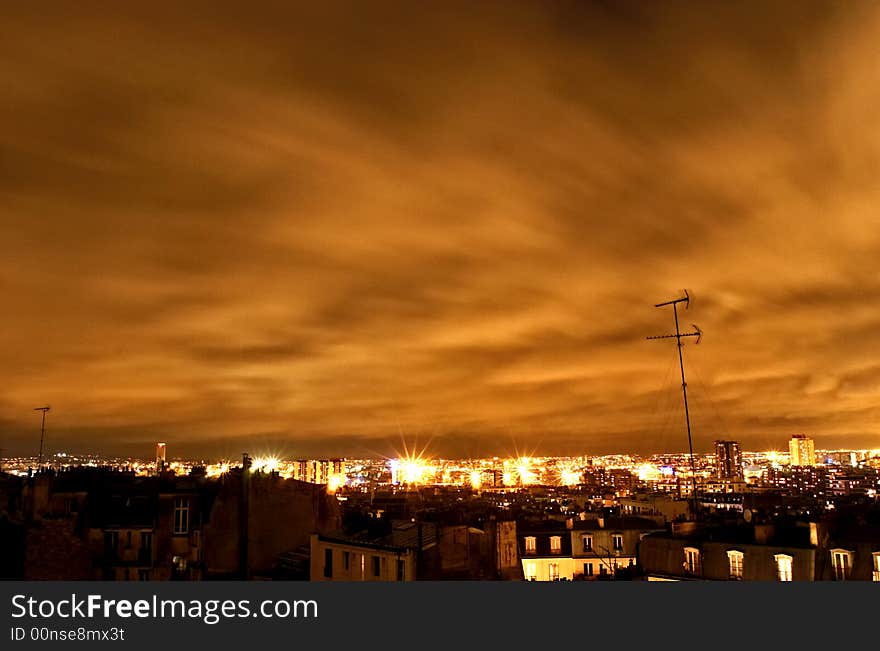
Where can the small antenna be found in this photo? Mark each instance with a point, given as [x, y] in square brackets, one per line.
[42, 433]
[686, 299]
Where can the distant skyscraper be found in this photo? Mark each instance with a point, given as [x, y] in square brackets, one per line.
[802, 451]
[728, 460]
[160, 457]
[320, 471]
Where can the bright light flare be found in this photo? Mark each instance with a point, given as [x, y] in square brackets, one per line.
[476, 479]
[569, 477]
[217, 469]
[411, 470]
[526, 474]
[647, 472]
[335, 482]
[265, 464]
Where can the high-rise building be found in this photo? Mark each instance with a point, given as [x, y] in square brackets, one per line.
[160, 458]
[802, 451]
[320, 471]
[728, 460]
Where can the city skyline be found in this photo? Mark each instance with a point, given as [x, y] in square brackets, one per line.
[324, 230]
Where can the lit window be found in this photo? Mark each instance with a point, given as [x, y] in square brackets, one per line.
[617, 541]
[876, 573]
[531, 544]
[691, 560]
[841, 561]
[181, 515]
[588, 543]
[735, 558]
[555, 544]
[783, 567]
[554, 571]
[531, 571]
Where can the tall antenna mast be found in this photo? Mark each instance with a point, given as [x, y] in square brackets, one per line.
[686, 299]
[42, 433]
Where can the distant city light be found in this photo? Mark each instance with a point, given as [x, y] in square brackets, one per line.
[526, 474]
[265, 464]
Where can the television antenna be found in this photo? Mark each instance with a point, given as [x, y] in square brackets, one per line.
[42, 432]
[678, 335]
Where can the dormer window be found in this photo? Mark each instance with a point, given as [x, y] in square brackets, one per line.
[735, 559]
[783, 567]
[617, 541]
[691, 560]
[841, 562]
[531, 546]
[587, 543]
[555, 544]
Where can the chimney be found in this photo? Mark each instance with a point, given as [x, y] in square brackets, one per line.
[244, 518]
[814, 534]
[763, 533]
[601, 521]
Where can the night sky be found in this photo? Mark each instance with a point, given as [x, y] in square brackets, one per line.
[324, 229]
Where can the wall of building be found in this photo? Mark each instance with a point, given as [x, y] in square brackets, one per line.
[54, 552]
[540, 568]
[283, 513]
[353, 562]
[507, 562]
[664, 556]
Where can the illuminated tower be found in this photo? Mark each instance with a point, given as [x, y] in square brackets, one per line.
[728, 460]
[802, 451]
[160, 458]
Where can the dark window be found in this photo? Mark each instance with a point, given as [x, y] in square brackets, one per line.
[111, 544]
[401, 569]
[346, 560]
[588, 543]
[377, 566]
[128, 540]
[617, 540]
[143, 575]
[181, 515]
[588, 569]
[145, 553]
[328, 563]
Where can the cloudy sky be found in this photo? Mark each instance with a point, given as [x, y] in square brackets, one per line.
[327, 228]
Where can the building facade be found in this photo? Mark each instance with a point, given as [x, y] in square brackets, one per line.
[340, 559]
[728, 460]
[801, 451]
[603, 546]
